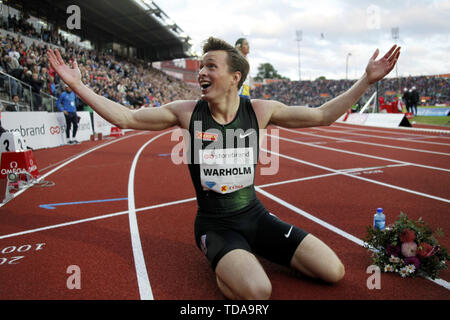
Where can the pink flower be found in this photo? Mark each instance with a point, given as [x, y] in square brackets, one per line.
[407, 236]
[409, 249]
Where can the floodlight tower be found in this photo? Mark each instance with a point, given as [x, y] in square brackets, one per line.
[395, 36]
[298, 38]
[346, 65]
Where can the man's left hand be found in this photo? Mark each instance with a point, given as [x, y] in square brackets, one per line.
[378, 69]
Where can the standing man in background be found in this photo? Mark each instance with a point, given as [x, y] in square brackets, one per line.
[414, 96]
[243, 47]
[407, 99]
[67, 103]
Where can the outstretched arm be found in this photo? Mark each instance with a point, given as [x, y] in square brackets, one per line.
[143, 119]
[330, 111]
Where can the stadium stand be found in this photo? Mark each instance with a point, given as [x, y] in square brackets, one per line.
[131, 81]
[433, 90]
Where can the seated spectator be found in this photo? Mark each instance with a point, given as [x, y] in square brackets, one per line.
[12, 66]
[14, 106]
[13, 53]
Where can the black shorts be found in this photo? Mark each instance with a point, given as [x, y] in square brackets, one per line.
[253, 229]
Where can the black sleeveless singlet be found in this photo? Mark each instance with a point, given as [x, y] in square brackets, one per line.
[222, 159]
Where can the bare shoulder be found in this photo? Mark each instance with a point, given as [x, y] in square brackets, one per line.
[264, 110]
[181, 105]
[182, 109]
[266, 104]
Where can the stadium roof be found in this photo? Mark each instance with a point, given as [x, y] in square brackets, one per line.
[133, 23]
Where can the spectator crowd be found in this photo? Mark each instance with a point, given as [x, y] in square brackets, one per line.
[433, 90]
[131, 82]
[135, 83]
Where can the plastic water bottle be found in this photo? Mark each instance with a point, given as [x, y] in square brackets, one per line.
[379, 219]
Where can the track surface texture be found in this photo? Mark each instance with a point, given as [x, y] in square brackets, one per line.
[119, 214]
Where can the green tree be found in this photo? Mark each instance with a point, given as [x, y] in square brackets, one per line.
[267, 71]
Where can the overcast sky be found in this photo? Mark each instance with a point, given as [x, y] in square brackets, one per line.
[331, 29]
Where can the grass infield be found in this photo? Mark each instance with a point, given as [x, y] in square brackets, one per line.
[433, 120]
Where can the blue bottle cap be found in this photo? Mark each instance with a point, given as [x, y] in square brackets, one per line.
[379, 210]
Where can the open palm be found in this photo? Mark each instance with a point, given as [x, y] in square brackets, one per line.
[378, 69]
[71, 76]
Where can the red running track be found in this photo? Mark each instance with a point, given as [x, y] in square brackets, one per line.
[330, 181]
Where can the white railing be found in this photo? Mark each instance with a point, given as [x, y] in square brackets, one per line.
[10, 86]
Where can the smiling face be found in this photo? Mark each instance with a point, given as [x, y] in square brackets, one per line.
[214, 78]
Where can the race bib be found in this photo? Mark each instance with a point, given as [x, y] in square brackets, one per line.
[226, 170]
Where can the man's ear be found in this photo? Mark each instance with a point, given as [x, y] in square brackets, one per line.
[237, 77]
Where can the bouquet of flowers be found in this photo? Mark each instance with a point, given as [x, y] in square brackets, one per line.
[407, 247]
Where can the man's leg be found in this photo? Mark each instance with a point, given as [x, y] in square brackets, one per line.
[240, 276]
[315, 259]
[75, 124]
[68, 126]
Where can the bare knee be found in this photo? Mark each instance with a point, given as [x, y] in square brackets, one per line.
[241, 276]
[249, 291]
[259, 291]
[336, 273]
[317, 260]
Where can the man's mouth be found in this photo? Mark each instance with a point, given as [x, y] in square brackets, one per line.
[205, 84]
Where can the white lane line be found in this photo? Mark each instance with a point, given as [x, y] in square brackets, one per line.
[360, 154]
[311, 217]
[441, 282]
[147, 293]
[298, 179]
[111, 215]
[25, 188]
[388, 129]
[324, 224]
[105, 216]
[359, 177]
[162, 205]
[145, 289]
[412, 139]
[365, 142]
[352, 170]
[422, 140]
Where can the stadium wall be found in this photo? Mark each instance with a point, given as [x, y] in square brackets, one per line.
[46, 130]
[183, 69]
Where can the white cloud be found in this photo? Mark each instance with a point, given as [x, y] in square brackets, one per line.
[352, 26]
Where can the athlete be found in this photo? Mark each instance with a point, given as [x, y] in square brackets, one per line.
[244, 48]
[232, 226]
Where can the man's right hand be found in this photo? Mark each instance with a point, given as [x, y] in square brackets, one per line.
[71, 76]
[65, 112]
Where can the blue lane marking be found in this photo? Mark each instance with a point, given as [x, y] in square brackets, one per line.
[167, 154]
[52, 206]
